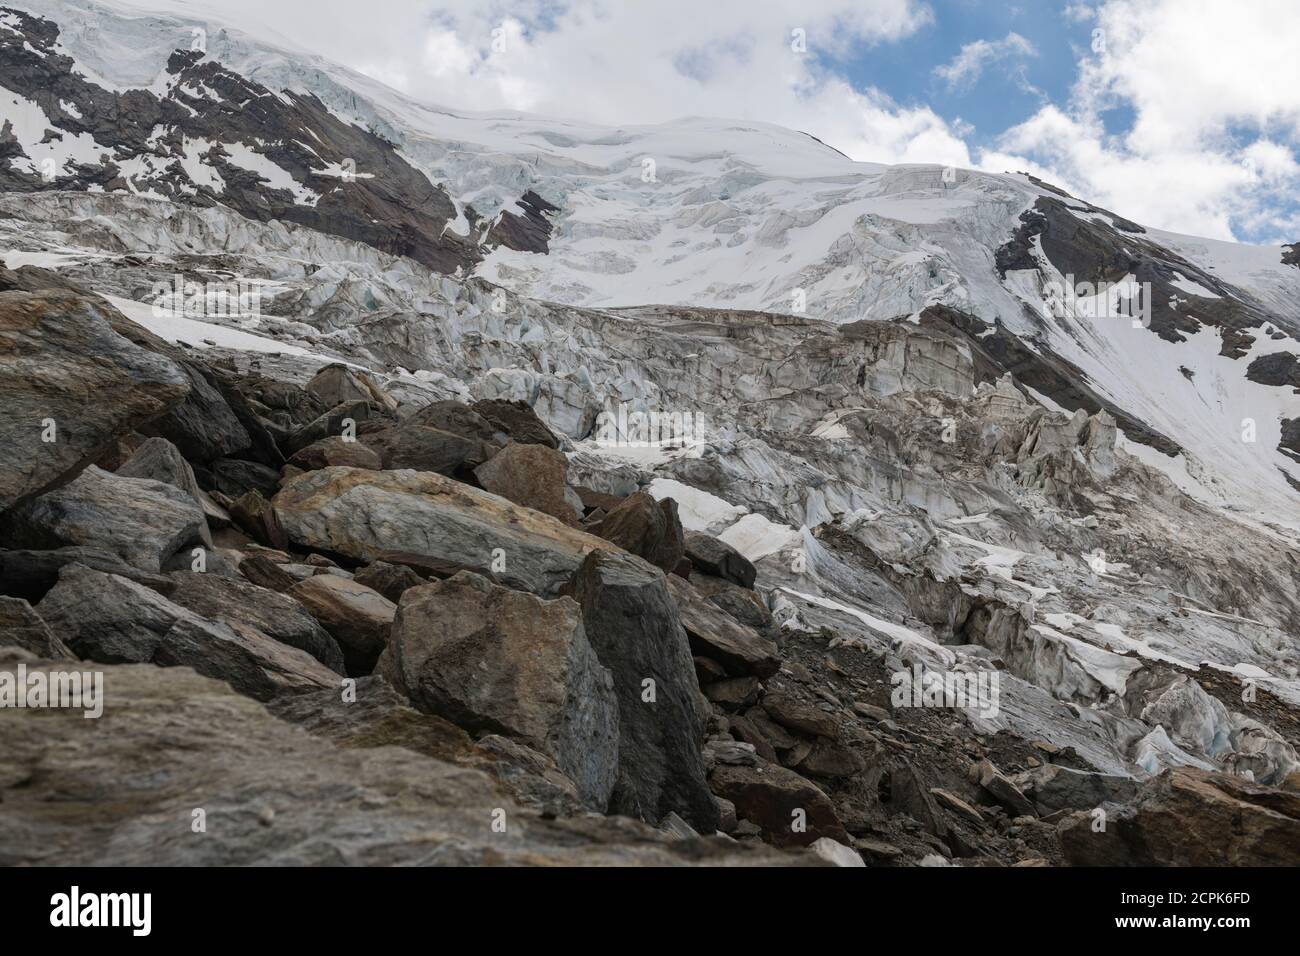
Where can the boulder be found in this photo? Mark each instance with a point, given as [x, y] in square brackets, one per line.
[111, 619]
[143, 522]
[21, 626]
[265, 573]
[800, 715]
[517, 420]
[236, 477]
[236, 601]
[424, 519]
[647, 528]
[711, 556]
[203, 427]
[356, 616]
[423, 448]
[534, 476]
[1189, 817]
[329, 424]
[715, 634]
[1053, 787]
[372, 715]
[789, 810]
[390, 580]
[159, 460]
[255, 516]
[337, 384]
[335, 450]
[633, 625]
[494, 660]
[65, 374]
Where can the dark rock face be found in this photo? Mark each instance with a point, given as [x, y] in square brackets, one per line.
[491, 659]
[720, 559]
[518, 421]
[1094, 251]
[349, 182]
[529, 230]
[390, 580]
[69, 385]
[633, 625]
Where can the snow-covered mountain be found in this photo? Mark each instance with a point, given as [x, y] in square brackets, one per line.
[698, 212]
[950, 415]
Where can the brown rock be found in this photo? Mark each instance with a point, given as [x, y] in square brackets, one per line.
[790, 810]
[534, 476]
[647, 528]
[354, 615]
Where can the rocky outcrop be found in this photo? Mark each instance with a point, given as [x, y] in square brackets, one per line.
[112, 620]
[431, 520]
[633, 625]
[171, 743]
[1189, 817]
[69, 385]
[495, 660]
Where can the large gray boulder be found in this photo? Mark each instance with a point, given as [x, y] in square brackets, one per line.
[110, 619]
[63, 365]
[234, 600]
[633, 624]
[494, 660]
[159, 460]
[418, 518]
[144, 522]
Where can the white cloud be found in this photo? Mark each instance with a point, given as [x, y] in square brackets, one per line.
[1215, 118]
[968, 65]
[623, 63]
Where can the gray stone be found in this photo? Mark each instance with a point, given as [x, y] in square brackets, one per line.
[143, 522]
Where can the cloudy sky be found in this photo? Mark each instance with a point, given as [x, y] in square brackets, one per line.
[1181, 114]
